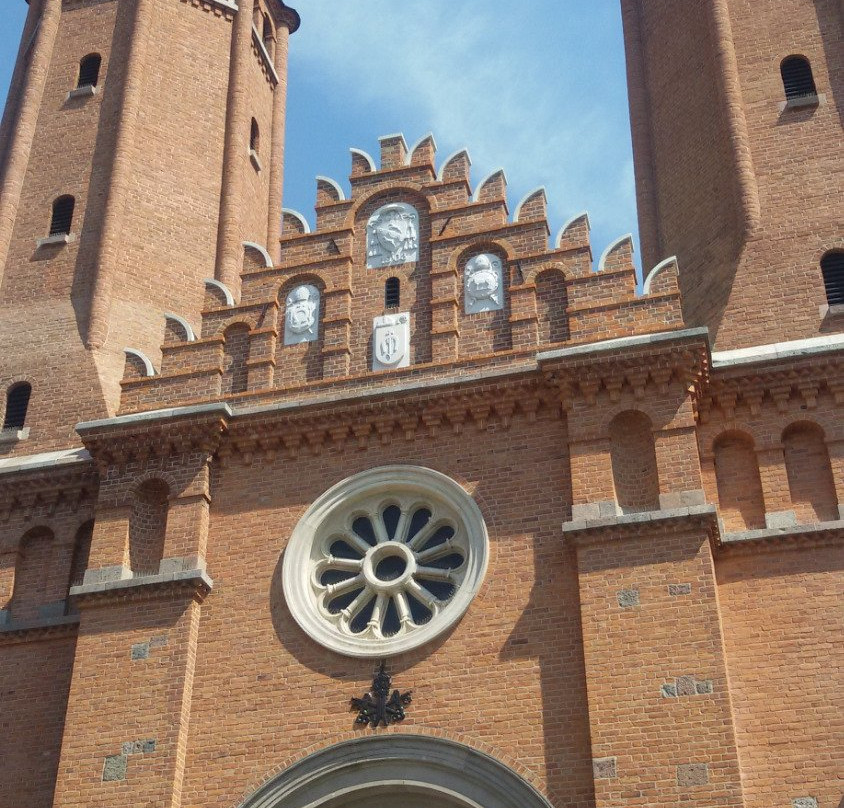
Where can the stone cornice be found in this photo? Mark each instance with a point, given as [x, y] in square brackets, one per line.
[195, 584]
[54, 628]
[799, 537]
[607, 530]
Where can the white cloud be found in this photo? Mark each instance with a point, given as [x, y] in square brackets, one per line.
[479, 75]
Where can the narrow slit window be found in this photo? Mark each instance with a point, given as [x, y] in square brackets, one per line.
[254, 137]
[89, 70]
[392, 293]
[62, 217]
[17, 403]
[832, 267]
[797, 78]
[267, 33]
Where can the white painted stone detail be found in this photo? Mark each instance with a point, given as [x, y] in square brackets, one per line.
[392, 236]
[391, 342]
[301, 317]
[483, 284]
[385, 561]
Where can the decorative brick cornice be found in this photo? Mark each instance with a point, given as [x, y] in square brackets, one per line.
[753, 542]
[48, 489]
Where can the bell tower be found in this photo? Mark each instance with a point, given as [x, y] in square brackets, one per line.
[736, 110]
[142, 145]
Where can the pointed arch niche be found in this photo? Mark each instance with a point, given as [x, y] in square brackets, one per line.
[414, 771]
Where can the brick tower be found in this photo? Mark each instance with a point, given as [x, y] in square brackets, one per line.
[132, 171]
[736, 111]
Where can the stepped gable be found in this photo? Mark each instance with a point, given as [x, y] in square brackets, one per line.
[548, 295]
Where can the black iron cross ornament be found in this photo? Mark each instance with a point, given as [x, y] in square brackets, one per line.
[379, 706]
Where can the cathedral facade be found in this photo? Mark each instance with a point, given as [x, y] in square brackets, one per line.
[431, 503]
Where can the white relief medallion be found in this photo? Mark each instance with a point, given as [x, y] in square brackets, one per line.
[391, 342]
[483, 283]
[301, 318]
[392, 236]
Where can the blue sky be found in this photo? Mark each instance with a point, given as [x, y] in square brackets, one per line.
[535, 87]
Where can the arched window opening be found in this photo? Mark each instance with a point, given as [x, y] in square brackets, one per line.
[89, 70]
[634, 466]
[17, 404]
[392, 293]
[235, 359]
[740, 497]
[147, 527]
[797, 78]
[254, 136]
[62, 217]
[268, 34]
[31, 574]
[832, 267]
[810, 480]
[81, 554]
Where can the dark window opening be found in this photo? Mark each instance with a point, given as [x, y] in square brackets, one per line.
[392, 293]
[89, 70]
[797, 77]
[62, 217]
[832, 267]
[267, 34]
[254, 136]
[17, 403]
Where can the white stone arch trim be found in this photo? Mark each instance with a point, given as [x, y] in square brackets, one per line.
[449, 160]
[617, 244]
[528, 197]
[306, 227]
[558, 242]
[656, 271]
[393, 764]
[334, 185]
[221, 287]
[328, 520]
[366, 157]
[190, 336]
[412, 150]
[265, 256]
[489, 178]
[145, 360]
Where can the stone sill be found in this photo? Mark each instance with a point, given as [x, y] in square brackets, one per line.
[831, 311]
[811, 100]
[13, 435]
[59, 238]
[82, 92]
[196, 577]
[637, 519]
[255, 160]
[789, 532]
[38, 624]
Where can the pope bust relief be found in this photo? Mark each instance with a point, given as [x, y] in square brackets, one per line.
[483, 281]
[392, 236]
[301, 317]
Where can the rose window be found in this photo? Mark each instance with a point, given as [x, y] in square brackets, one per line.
[385, 561]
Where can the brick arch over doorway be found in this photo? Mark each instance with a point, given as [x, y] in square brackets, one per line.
[414, 768]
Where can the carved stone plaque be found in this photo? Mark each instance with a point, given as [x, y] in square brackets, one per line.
[301, 316]
[483, 284]
[391, 342]
[392, 236]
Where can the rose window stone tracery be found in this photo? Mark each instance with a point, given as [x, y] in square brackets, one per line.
[385, 561]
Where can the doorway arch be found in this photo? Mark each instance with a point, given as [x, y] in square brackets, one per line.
[373, 771]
